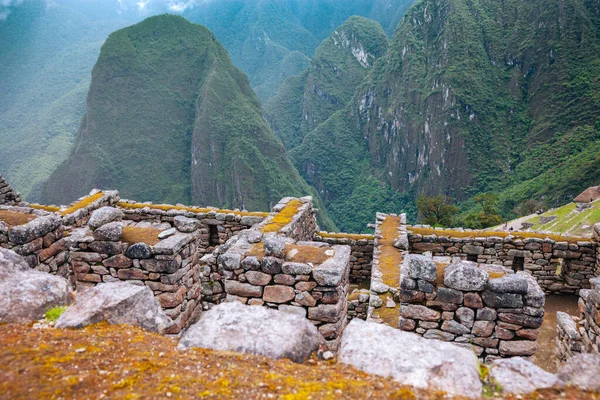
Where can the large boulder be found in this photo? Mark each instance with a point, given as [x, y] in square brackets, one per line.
[519, 376]
[26, 294]
[104, 215]
[116, 303]
[254, 330]
[464, 275]
[582, 370]
[410, 359]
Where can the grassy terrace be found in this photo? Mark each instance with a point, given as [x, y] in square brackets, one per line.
[568, 220]
[474, 234]
[167, 207]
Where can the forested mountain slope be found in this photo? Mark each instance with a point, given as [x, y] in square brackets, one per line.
[472, 96]
[45, 58]
[169, 118]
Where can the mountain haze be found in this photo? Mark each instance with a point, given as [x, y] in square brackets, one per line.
[170, 119]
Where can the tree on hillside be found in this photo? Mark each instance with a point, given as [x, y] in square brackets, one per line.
[529, 207]
[488, 214]
[436, 211]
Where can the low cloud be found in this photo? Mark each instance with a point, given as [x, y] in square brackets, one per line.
[6, 7]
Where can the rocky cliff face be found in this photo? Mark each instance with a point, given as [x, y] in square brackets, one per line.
[486, 95]
[471, 96]
[169, 118]
[339, 65]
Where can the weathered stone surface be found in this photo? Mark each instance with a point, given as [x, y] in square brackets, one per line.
[39, 227]
[581, 370]
[410, 359]
[258, 278]
[502, 300]
[250, 264]
[274, 246]
[448, 295]
[167, 233]
[483, 328]
[118, 261]
[26, 294]
[278, 294]
[254, 330]
[139, 250]
[421, 267]
[509, 284]
[326, 312]
[116, 303]
[419, 312]
[521, 319]
[486, 314]
[332, 271]
[105, 247]
[473, 300]
[454, 327]
[165, 266]
[464, 275]
[271, 265]
[243, 289]
[293, 268]
[306, 299]
[474, 250]
[518, 376]
[466, 316]
[111, 231]
[186, 225]
[517, 347]
[103, 216]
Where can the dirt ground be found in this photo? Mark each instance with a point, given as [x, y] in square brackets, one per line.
[125, 362]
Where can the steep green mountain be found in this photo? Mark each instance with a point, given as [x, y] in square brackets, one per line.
[46, 54]
[273, 39]
[308, 115]
[169, 118]
[473, 96]
[339, 65]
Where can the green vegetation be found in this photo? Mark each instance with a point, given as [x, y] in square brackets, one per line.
[46, 55]
[54, 313]
[305, 101]
[436, 211]
[170, 119]
[568, 220]
[273, 39]
[485, 215]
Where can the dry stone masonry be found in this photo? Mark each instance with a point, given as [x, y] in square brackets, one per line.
[559, 264]
[476, 289]
[487, 308]
[7, 194]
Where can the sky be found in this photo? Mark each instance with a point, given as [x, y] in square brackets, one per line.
[141, 7]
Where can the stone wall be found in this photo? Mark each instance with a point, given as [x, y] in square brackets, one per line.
[484, 307]
[580, 334]
[170, 267]
[217, 225]
[361, 255]
[78, 213]
[40, 241]
[560, 266]
[390, 248]
[7, 194]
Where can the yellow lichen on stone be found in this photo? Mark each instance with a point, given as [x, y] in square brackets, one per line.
[283, 217]
[45, 208]
[196, 210]
[132, 234]
[86, 201]
[390, 258]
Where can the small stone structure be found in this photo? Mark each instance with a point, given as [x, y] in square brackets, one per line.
[559, 264]
[8, 196]
[361, 256]
[484, 307]
[272, 265]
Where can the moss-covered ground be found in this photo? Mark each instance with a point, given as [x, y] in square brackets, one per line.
[124, 362]
[132, 234]
[86, 201]
[15, 219]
